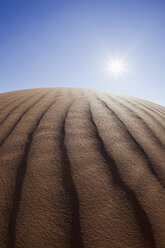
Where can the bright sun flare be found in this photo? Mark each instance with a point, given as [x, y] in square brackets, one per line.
[116, 66]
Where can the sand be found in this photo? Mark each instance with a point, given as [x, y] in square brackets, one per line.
[81, 169]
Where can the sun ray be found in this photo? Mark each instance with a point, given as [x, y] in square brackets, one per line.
[116, 66]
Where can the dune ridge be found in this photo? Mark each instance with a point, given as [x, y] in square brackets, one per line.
[81, 168]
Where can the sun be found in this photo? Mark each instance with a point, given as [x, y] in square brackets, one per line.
[116, 66]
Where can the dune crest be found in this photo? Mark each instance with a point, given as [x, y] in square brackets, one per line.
[81, 169]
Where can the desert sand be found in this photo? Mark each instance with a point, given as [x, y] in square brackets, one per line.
[81, 168]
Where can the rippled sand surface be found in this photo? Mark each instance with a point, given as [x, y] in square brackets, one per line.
[81, 168]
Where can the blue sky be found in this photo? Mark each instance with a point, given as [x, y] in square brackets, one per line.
[64, 43]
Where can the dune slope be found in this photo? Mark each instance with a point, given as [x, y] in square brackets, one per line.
[81, 169]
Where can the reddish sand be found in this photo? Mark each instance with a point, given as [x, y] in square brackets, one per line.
[81, 169]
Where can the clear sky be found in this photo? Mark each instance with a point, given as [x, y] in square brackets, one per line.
[67, 43]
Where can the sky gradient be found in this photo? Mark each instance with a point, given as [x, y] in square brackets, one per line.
[49, 43]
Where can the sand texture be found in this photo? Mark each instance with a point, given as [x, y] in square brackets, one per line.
[81, 169]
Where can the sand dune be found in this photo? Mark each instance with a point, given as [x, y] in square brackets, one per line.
[81, 169]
